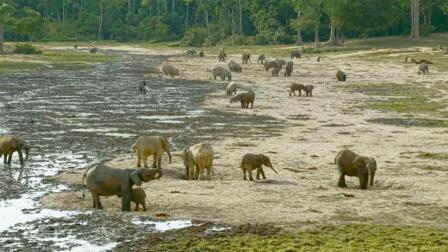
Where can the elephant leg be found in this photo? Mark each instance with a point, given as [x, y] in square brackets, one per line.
[300, 92]
[262, 173]
[136, 207]
[242, 104]
[10, 158]
[139, 161]
[250, 175]
[159, 163]
[209, 170]
[126, 199]
[96, 198]
[144, 206]
[363, 179]
[244, 173]
[20, 157]
[341, 182]
[258, 174]
[251, 105]
[5, 158]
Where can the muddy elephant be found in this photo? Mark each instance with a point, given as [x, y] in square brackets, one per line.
[10, 144]
[170, 70]
[341, 76]
[151, 146]
[269, 64]
[308, 90]
[191, 52]
[93, 50]
[142, 88]
[295, 54]
[354, 165]
[296, 87]
[261, 58]
[252, 162]
[138, 196]
[221, 72]
[280, 64]
[197, 159]
[235, 67]
[222, 56]
[231, 88]
[274, 72]
[103, 180]
[246, 58]
[423, 68]
[245, 98]
[201, 54]
[289, 67]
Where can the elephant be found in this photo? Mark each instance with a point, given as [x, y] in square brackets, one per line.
[423, 68]
[296, 87]
[274, 71]
[246, 58]
[235, 67]
[75, 46]
[280, 64]
[269, 64]
[406, 59]
[191, 52]
[222, 56]
[151, 146]
[138, 196]
[296, 54]
[289, 67]
[197, 158]
[222, 72]
[103, 180]
[201, 54]
[341, 76]
[9, 145]
[318, 59]
[231, 88]
[352, 164]
[422, 61]
[308, 90]
[170, 70]
[93, 50]
[261, 58]
[255, 161]
[142, 88]
[245, 98]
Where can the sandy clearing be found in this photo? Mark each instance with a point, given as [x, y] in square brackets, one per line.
[304, 192]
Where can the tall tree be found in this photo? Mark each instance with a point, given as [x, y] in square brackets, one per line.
[5, 11]
[415, 19]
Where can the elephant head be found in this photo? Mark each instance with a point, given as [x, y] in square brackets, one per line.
[165, 146]
[266, 162]
[18, 144]
[361, 164]
[145, 175]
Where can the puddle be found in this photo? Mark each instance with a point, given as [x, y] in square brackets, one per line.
[163, 226]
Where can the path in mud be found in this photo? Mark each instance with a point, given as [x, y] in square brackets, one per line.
[73, 118]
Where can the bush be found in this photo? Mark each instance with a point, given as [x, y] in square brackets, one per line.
[426, 30]
[238, 40]
[26, 49]
[194, 37]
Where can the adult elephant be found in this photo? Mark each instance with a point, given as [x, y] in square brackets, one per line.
[151, 146]
[103, 180]
[11, 144]
[197, 159]
[352, 164]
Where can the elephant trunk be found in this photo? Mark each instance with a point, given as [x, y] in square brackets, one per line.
[372, 175]
[273, 169]
[169, 154]
[27, 152]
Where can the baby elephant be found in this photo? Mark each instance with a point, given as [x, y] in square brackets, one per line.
[351, 164]
[93, 50]
[261, 58]
[274, 71]
[255, 161]
[295, 54]
[288, 69]
[423, 68]
[246, 58]
[308, 90]
[138, 196]
[340, 76]
[269, 64]
[170, 70]
[231, 88]
[201, 54]
[245, 98]
[221, 72]
[296, 87]
[142, 88]
[191, 52]
[222, 56]
[235, 67]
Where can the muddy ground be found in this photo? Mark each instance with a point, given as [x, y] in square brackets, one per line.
[96, 114]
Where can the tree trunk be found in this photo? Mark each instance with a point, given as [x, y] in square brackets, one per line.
[129, 6]
[241, 18]
[332, 41]
[63, 12]
[174, 6]
[299, 40]
[186, 19]
[316, 36]
[208, 28]
[2, 34]
[415, 14]
[429, 12]
[101, 19]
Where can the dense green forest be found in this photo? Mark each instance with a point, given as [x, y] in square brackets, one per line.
[211, 22]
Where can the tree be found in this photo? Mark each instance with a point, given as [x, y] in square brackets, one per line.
[309, 14]
[5, 11]
[335, 9]
[31, 24]
[415, 19]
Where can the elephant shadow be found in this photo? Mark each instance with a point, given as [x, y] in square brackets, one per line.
[275, 182]
[174, 174]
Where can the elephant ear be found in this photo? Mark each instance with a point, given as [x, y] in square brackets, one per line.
[359, 162]
[135, 177]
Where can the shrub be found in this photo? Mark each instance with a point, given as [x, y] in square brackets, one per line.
[26, 49]
[426, 30]
[194, 37]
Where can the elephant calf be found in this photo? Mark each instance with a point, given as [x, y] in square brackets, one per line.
[142, 88]
[269, 64]
[221, 72]
[423, 68]
[246, 58]
[251, 162]
[196, 159]
[222, 56]
[93, 50]
[138, 196]
[235, 67]
[201, 54]
[308, 90]
[11, 144]
[295, 54]
[296, 87]
[261, 58]
[245, 98]
[170, 70]
[352, 164]
[103, 180]
[231, 88]
[274, 71]
[341, 76]
[151, 146]
[191, 52]
[289, 67]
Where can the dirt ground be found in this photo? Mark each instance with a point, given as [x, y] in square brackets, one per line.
[304, 192]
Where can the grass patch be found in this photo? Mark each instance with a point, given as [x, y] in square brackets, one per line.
[344, 238]
[433, 155]
[409, 105]
[388, 89]
[76, 57]
[411, 122]
[7, 67]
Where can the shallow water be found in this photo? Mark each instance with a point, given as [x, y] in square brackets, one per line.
[73, 118]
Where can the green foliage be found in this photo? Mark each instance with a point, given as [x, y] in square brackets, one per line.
[26, 49]
[194, 37]
[426, 30]
[31, 24]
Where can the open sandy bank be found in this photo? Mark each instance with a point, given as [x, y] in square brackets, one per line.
[304, 192]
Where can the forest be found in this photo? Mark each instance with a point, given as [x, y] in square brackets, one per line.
[227, 22]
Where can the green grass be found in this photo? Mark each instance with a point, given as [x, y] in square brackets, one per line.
[7, 67]
[409, 105]
[343, 238]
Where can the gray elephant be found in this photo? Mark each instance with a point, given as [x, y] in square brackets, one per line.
[222, 56]
[103, 180]
[201, 54]
[197, 159]
[261, 58]
[170, 70]
[289, 67]
[151, 146]
[352, 164]
[252, 162]
[274, 71]
[308, 90]
[296, 87]
[269, 64]
[423, 68]
[142, 88]
[221, 72]
[235, 67]
[296, 54]
[245, 98]
[93, 50]
[280, 64]
[231, 88]
[191, 52]
[10, 144]
[246, 58]
[341, 76]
